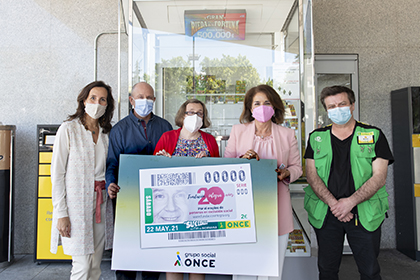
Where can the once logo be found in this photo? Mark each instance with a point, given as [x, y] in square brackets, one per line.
[178, 261]
[200, 262]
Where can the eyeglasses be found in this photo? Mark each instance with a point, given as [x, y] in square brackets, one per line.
[191, 113]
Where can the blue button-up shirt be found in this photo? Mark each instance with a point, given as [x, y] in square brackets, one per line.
[128, 137]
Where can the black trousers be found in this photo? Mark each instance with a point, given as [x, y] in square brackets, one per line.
[364, 244]
[131, 275]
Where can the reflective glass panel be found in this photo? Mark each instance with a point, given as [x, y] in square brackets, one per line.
[176, 51]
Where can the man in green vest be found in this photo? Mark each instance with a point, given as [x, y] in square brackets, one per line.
[346, 168]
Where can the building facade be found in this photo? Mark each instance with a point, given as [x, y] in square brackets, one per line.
[47, 54]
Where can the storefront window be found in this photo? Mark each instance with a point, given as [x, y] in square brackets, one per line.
[175, 50]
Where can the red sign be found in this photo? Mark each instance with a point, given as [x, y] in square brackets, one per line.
[216, 24]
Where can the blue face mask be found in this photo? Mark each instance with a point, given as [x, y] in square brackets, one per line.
[339, 115]
[143, 107]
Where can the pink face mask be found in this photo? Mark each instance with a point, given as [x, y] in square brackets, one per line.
[263, 113]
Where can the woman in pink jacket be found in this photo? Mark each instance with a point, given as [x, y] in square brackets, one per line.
[260, 135]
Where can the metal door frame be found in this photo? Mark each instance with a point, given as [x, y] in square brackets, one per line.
[339, 64]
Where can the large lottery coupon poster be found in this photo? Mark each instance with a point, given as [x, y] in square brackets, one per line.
[201, 205]
[208, 215]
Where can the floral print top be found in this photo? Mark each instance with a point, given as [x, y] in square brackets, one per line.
[190, 148]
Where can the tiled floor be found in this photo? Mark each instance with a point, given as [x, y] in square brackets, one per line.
[394, 265]
[24, 268]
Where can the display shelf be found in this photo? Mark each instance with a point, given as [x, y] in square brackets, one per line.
[299, 244]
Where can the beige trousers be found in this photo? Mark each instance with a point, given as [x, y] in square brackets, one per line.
[88, 267]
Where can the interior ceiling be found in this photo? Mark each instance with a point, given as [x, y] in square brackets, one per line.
[262, 16]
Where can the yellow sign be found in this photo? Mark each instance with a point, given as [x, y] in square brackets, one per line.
[417, 190]
[44, 223]
[238, 224]
[416, 140]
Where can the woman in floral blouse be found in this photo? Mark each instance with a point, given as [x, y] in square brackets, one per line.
[188, 141]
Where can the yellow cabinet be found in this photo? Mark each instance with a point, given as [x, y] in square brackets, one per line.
[44, 222]
[45, 157]
[44, 169]
[43, 217]
[44, 186]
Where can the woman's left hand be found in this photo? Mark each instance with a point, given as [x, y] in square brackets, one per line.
[163, 153]
[64, 226]
[282, 174]
[201, 154]
[251, 154]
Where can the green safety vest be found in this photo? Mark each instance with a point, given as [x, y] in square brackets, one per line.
[362, 150]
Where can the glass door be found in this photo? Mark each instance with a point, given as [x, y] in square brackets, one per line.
[333, 70]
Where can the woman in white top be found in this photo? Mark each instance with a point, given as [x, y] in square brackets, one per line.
[78, 167]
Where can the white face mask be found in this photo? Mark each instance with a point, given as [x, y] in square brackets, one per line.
[340, 115]
[143, 107]
[193, 123]
[95, 111]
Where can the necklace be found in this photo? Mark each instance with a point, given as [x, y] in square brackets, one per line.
[92, 127]
[262, 135]
[93, 130]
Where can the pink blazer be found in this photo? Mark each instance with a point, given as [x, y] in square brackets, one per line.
[285, 145]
